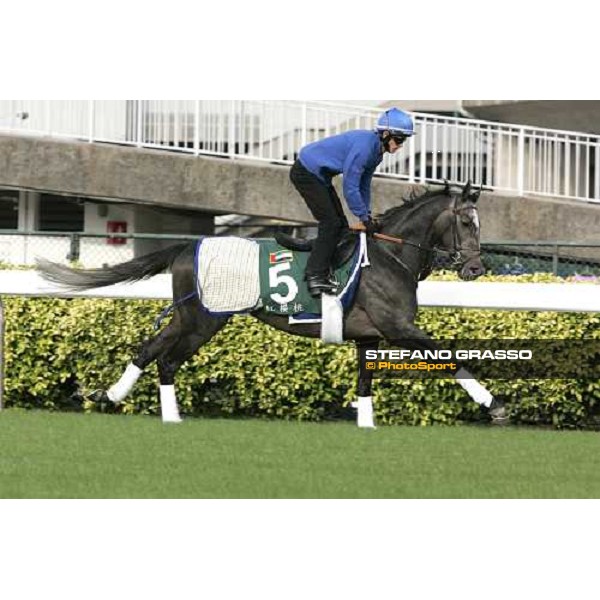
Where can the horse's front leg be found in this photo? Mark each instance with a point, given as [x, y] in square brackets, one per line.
[496, 407]
[407, 335]
[364, 400]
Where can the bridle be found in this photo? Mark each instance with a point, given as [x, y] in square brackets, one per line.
[459, 255]
[458, 251]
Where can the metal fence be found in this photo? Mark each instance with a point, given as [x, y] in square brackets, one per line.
[87, 250]
[517, 258]
[96, 250]
[511, 158]
[563, 259]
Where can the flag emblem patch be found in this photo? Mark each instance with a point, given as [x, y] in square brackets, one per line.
[281, 256]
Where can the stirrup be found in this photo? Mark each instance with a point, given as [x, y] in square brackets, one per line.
[318, 284]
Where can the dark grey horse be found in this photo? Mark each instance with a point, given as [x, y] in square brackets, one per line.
[438, 221]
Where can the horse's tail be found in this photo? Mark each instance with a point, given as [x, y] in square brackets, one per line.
[133, 270]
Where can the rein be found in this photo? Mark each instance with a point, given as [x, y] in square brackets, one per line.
[456, 253]
[359, 227]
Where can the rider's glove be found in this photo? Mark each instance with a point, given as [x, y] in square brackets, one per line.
[371, 226]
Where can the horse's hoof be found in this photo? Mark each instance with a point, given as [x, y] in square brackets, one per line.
[97, 396]
[75, 402]
[101, 400]
[498, 412]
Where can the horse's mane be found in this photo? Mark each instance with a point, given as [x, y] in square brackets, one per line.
[414, 198]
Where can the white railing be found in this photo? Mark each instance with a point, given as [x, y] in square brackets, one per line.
[569, 297]
[511, 158]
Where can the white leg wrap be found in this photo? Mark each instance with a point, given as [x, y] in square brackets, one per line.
[364, 406]
[332, 324]
[473, 388]
[120, 390]
[168, 404]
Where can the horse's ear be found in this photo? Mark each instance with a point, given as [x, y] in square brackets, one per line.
[466, 191]
[475, 195]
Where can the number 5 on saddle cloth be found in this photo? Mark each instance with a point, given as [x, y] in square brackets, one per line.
[236, 275]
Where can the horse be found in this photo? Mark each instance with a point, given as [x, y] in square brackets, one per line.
[438, 221]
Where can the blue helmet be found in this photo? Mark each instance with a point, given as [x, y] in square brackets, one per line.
[397, 122]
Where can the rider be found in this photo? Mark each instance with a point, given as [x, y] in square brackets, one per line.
[355, 154]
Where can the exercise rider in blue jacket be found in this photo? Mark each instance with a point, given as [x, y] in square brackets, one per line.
[355, 154]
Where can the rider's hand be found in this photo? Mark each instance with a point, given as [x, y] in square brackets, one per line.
[371, 226]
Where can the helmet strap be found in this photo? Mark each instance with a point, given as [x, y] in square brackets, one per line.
[386, 141]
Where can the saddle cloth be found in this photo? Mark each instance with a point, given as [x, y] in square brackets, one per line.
[283, 289]
[227, 274]
[236, 275]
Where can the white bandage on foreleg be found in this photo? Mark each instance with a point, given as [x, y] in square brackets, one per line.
[120, 390]
[332, 324]
[473, 388]
[364, 407]
[168, 404]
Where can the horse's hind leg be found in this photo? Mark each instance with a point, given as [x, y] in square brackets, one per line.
[184, 333]
[170, 361]
[149, 351]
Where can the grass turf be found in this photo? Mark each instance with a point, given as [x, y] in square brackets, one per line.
[52, 455]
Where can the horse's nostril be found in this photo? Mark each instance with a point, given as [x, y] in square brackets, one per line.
[475, 270]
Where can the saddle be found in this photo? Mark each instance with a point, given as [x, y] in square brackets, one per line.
[343, 251]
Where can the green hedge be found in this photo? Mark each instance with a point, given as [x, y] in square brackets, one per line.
[55, 345]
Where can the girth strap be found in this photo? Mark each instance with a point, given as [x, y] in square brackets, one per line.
[167, 311]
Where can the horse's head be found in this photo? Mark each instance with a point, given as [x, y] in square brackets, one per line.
[438, 222]
[456, 231]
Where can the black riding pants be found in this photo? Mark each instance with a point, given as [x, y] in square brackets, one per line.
[326, 207]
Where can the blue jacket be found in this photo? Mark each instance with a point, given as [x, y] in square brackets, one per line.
[356, 154]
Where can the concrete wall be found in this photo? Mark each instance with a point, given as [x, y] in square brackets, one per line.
[148, 219]
[220, 186]
[158, 178]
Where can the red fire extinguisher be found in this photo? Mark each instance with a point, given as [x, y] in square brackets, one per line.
[113, 227]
